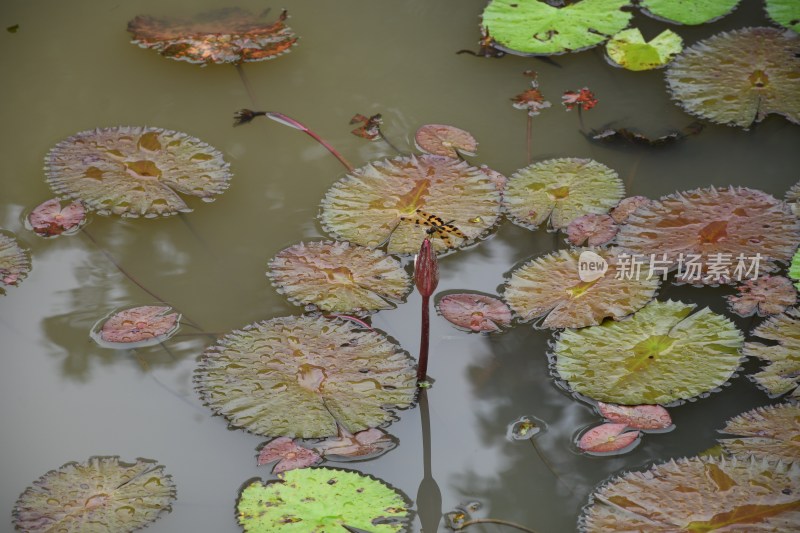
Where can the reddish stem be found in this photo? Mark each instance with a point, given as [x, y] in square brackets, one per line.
[292, 123]
[424, 340]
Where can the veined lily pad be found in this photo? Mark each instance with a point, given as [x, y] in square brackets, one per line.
[551, 286]
[713, 235]
[561, 190]
[339, 277]
[699, 494]
[626, 207]
[475, 312]
[49, 219]
[608, 438]
[102, 494]
[691, 13]
[782, 374]
[367, 444]
[300, 376]
[739, 77]
[137, 327]
[767, 295]
[647, 417]
[322, 500]
[448, 141]
[288, 454]
[401, 201]
[533, 27]
[772, 432]
[659, 355]
[230, 35]
[629, 50]
[134, 171]
[593, 230]
[784, 12]
[15, 262]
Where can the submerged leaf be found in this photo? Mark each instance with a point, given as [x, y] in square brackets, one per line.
[782, 374]
[15, 262]
[229, 35]
[607, 438]
[659, 355]
[647, 417]
[475, 312]
[137, 327]
[533, 27]
[339, 277]
[561, 190]
[593, 230]
[403, 200]
[739, 77]
[784, 12]
[698, 494]
[49, 219]
[102, 494]
[629, 50]
[448, 141]
[772, 432]
[288, 455]
[134, 171]
[322, 500]
[301, 376]
[767, 295]
[679, 12]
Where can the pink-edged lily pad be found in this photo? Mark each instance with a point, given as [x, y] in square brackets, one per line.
[607, 438]
[15, 261]
[49, 219]
[636, 416]
[448, 141]
[366, 444]
[627, 206]
[765, 296]
[137, 327]
[288, 454]
[475, 312]
[592, 229]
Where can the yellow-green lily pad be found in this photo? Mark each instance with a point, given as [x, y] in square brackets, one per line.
[629, 50]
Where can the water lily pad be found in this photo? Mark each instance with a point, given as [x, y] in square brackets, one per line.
[288, 455]
[135, 171]
[593, 230]
[533, 27]
[772, 432]
[229, 35]
[698, 494]
[767, 295]
[102, 494]
[782, 373]
[647, 417]
[561, 190]
[661, 354]
[794, 268]
[690, 13]
[551, 287]
[713, 235]
[444, 140]
[524, 428]
[403, 200]
[367, 444]
[15, 261]
[50, 219]
[739, 77]
[339, 277]
[784, 12]
[300, 376]
[137, 327]
[475, 312]
[608, 438]
[627, 206]
[629, 50]
[322, 499]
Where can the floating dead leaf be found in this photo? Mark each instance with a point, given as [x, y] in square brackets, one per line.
[630, 136]
[661, 354]
[713, 235]
[608, 438]
[301, 376]
[403, 200]
[782, 373]
[367, 444]
[339, 277]
[101, 494]
[550, 287]
[137, 327]
[626, 207]
[288, 455]
[444, 140]
[739, 77]
[15, 262]
[698, 494]
[593, 230]
[135, 171]
[646, 417]
[767, 295]
[49, 219]
[772, 432]
[474, 311]
[370, 127]
[229, 35]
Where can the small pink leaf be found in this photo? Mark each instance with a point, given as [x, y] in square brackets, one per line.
[767, 295]
[593, 229]
[607, 438]
[476, 312]
[636, 416]
[49, 219]
[288, 454]
[444, 140]
[142, 326]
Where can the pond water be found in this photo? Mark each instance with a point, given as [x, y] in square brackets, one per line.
[70, 67]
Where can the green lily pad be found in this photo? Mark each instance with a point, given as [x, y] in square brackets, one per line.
[782, 374]
[698, 494]
[771, 432]
[339, 277]
[561, 190]
[785, 13]
[794, 269]
[661, 354]
[533, 27]
[301, 376]
[690, 12]
[403, 200]
[629, 50]
[322, 500]
[15, 262]
[135, 171]
[102, 494]
[739, 77]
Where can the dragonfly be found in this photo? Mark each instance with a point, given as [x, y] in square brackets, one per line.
[437, 227]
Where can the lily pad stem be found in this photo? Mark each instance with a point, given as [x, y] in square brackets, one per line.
[549, 466]
[494, 521]
[424, 340]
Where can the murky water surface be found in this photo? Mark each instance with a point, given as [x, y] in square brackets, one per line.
[70, 67]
